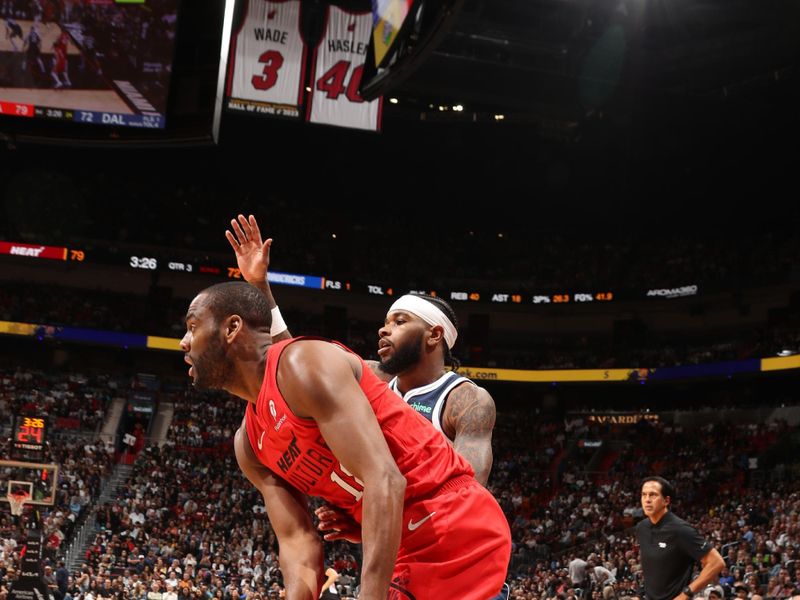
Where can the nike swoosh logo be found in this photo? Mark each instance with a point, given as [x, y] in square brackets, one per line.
[412, 526]
[261, 439]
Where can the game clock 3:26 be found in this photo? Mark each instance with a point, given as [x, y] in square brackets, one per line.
[30, 433]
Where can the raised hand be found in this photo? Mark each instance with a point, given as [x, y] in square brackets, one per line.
[339, 525]
[252, 255]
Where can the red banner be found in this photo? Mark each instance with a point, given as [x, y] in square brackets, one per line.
[33, 251]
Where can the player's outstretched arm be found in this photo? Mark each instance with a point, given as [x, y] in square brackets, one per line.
[252, 257]
[469, 417]
[320, 380]
[301, 554]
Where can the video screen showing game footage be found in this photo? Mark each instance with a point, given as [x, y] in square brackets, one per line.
[98, 61]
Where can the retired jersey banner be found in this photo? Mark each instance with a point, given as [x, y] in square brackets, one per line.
[337, 66]
[268, 59]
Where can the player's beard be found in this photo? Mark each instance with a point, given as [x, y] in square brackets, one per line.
[404, 357]
[213, 368]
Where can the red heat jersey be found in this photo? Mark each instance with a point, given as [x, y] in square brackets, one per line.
[293, 448]
[60, 54]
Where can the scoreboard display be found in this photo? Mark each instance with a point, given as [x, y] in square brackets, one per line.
[94, 117]
[103, 62]
[28, 437]
[222, 267]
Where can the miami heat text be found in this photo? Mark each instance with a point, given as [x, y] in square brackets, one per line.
[309, 465]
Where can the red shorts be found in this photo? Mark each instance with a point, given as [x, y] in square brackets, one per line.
[456, 544]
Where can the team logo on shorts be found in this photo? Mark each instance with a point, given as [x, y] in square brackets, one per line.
[397, 589]
[272, 410]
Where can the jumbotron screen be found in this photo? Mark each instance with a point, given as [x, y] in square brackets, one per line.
[388, 19]
[103, 62]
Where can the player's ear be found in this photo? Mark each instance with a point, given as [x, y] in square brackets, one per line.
[233, 327]
[436, 335]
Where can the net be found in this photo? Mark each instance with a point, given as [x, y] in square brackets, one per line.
[17, 502]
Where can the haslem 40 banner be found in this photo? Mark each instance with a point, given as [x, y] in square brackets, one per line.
[269, 72]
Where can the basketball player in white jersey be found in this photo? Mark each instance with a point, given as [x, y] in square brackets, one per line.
[33, 50]
[14, 30]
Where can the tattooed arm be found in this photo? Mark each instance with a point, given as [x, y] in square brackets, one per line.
[375, 367]
[468, 420]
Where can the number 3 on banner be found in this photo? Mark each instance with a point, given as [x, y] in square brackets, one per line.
[332, 81]
[272, 61]
[347, 487]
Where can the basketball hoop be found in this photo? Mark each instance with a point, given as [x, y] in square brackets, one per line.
[17, 501]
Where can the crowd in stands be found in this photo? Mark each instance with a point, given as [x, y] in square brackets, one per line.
[755, 530]
[72, 307]
[71, 402]
[561, 510]
[187, 524]
[205, 419]
[82, 469]
[654, 351]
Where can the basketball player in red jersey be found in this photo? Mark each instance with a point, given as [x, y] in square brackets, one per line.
[319, 422]
[414, 347]
[59, 68]
[462, 410]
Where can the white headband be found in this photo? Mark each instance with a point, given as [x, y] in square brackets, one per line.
[428, 312]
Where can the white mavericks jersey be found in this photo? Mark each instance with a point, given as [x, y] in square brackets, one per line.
[429, 400]
[268, 57]
[338, 64]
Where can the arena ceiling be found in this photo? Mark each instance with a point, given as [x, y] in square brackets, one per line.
[566, 67]
[573, 56]
[564, 59]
